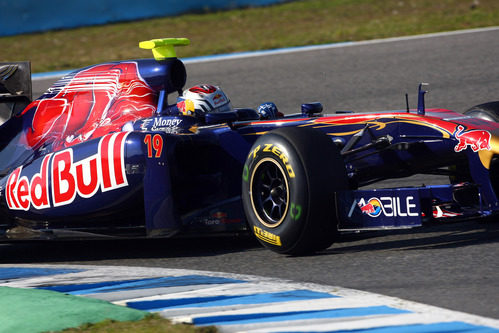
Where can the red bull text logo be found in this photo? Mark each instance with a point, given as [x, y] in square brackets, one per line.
[388, 206]
[476, 139]
[60, 179]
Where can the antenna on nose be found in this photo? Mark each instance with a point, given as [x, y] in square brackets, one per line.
[421, 93]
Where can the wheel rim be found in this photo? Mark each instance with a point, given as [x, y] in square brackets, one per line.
[269, 192]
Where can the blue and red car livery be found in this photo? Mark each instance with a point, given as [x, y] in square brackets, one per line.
[93, 102]
[100, 154]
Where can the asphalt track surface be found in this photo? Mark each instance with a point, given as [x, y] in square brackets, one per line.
[455, 266]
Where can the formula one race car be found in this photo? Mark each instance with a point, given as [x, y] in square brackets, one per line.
[103, 154]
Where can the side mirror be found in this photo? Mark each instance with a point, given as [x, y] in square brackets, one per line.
[309, 109]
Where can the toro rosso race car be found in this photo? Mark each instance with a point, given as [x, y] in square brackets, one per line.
[103, 154]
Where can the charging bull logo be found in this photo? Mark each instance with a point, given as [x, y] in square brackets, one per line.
[219, 98]
[476, 139]
[94, 102]
[371, 208]
[390, 206]
[60, 179]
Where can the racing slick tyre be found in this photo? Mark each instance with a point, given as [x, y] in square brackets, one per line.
[487, 111]
[288, 190]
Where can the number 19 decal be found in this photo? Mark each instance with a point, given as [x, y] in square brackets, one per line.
[155, 142]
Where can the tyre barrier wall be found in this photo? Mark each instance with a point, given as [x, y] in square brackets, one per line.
[28, 16]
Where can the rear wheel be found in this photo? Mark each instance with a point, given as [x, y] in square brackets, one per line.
[289, 182]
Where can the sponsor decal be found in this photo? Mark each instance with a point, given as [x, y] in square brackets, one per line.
[389, 206]
[219, 215]
[218, 99]
[216, 218]
[60, 178]
[224, 218]
[144, 126]
[266, 236]
[161, 124]
[207, 221]
[371, 208]
[271, 148]
[476, 139]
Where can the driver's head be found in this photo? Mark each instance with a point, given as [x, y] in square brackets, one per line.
[202, 99]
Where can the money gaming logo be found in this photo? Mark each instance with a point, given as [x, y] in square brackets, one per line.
[371, 208]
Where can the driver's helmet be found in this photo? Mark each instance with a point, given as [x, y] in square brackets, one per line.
[202, 99]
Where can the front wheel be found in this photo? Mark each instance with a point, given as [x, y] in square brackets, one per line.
[487, 111]
[289, 182]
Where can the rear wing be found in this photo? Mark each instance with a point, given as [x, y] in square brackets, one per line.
[15, 87]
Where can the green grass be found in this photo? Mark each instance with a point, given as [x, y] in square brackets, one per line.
[293, 23]
[150, 324]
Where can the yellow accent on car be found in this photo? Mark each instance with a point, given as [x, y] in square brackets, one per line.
[487, 155]
[164, 48]
[266, 236]
[189, 105]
